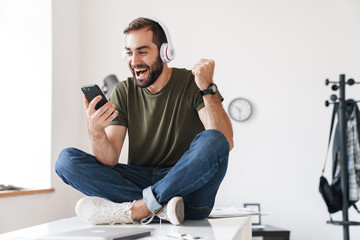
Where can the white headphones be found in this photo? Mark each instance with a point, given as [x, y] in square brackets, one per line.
[167, 51]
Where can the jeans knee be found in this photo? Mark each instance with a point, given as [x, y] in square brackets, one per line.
[65, 160]
[215, 140]
[213, 143]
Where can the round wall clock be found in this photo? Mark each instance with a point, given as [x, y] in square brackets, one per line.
[240, 109]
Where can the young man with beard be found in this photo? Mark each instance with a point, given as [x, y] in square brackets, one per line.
[179, 140]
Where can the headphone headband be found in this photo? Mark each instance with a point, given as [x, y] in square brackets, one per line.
[167, 51]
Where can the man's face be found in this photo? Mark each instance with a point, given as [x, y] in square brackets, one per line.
[142, 56]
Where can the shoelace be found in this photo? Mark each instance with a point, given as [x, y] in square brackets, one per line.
[160, 214]
[122, 215]
[148, 219]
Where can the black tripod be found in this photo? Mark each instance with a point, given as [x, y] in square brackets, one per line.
[343, 155]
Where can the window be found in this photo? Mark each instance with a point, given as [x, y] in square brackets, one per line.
[25, 97]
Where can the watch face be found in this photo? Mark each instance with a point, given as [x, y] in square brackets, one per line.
[214, 88]
[240, 109]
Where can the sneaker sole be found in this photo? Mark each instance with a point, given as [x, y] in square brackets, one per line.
[177, 217]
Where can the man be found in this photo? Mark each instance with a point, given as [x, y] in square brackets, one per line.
[179, 140]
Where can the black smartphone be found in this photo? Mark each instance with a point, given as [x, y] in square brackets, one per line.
[92, 91]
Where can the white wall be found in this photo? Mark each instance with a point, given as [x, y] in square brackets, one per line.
[275, 53]
[24, 211]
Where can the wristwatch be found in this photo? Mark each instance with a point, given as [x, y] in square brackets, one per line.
[212, 89]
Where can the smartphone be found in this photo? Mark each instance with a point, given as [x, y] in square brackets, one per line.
[92, 91]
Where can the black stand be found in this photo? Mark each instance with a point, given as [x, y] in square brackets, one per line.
[343, 155]
[271, 233]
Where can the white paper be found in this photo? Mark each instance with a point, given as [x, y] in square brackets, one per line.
[232, 212]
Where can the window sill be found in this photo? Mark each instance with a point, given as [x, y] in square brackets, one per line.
[11, 193]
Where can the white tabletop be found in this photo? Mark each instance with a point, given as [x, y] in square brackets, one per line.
[220, 228]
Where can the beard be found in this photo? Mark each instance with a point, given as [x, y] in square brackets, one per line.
[155, 71]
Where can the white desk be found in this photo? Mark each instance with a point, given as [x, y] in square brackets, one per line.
[222, 228]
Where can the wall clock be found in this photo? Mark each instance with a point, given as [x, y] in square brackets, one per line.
[240, 109]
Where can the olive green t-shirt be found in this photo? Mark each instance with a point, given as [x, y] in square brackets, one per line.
[161, 126]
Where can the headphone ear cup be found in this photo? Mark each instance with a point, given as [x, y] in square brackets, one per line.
[167, 54]
[170, 51]
[163, 53]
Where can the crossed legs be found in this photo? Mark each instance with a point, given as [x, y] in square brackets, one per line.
[196, 178]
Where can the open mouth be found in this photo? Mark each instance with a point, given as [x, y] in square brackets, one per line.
[140, 72]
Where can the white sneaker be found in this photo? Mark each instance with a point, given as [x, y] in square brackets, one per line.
[172, 212]
[102, 211]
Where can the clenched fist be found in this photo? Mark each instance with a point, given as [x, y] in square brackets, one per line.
[203, 71]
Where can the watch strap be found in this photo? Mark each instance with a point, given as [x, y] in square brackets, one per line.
[209, 90]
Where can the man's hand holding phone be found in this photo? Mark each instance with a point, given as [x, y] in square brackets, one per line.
[99, 119]
[99, 111]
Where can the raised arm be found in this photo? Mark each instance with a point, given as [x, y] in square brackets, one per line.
[213, 115]
[106, 142]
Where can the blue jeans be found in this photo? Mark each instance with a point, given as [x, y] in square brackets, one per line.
[196, 177]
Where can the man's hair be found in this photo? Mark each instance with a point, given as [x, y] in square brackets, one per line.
[159, 36]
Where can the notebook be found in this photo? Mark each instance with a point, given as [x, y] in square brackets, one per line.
[100, 233]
